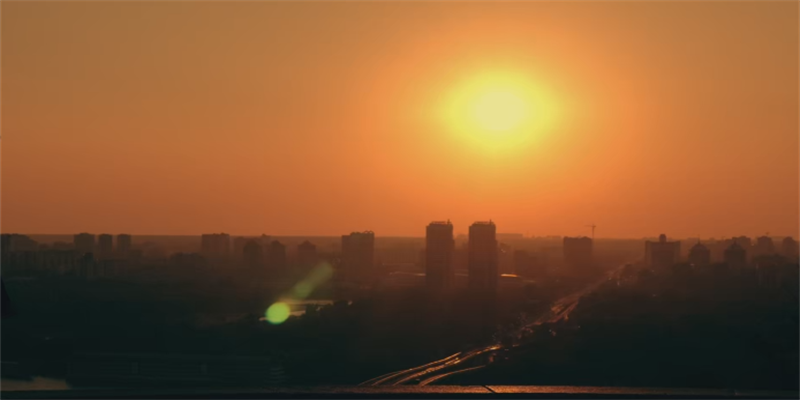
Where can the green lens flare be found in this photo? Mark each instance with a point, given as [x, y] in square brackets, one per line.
[303, 289]
[278, 313]
[315, 278]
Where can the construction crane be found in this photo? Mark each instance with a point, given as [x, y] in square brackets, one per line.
[592, 226]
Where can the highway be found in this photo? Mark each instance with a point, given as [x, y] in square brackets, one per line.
[478, 358]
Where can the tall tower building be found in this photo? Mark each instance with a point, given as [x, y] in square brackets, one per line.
[735, 256]
[482, 262]
[699, 255]
[276, 255]
[789, 248]
[439, 247]
[662, 254]
[105, 245]
[307, 255]
[764, 247]
[358, 256]
[215, 245]
[123, 244]
[84, 243]
[252, 254]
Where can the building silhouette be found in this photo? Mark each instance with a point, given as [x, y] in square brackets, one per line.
[16, 242]
[735, 256]
[84, 243]
[123, 244]
[252, 254]
[661, 254]
[307, 255]
[482, 261]
[105, 245]
[276, 255]
[215, 245]
[439, 247]
[238, 245]
[358, 256]
[187, 260]
[578, 252]
[789, 248]
[764, 246]
[699, 255]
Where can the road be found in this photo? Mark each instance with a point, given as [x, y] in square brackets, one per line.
[478, 358]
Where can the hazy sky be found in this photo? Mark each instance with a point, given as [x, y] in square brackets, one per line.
[324, 118]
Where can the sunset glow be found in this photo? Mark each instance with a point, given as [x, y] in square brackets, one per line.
[331, 117]
[498, 110]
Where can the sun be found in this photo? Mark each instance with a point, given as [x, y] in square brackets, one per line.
[497, 110]
[500, 110]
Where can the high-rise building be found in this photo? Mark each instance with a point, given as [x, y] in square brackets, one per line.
[736, 255]
[439, 247]
[482, 262]
[307, 254]
[699, 255]
[123, 244]
[215, 245]
[252, 254]
[789, 248]
[16, 242]
[764, 247]
[105, 245]
[358, 256]
[84, 243]
[662, 254]
[276, 255]
[578, 252]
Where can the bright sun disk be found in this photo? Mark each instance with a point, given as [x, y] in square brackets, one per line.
[498, 110]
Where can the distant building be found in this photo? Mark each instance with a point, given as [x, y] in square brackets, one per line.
[307, 255]
[123, 244]
[736, 256]
[358, 256]
[789, 248]
[509, 237]
[662, 254]
[238, 245]
[439, 247]
[17, 242]
[403, 255]
[525, 264]
[578, 252]
[482, 262]
[505, 259]
[764, 247]
[215, 245]
[84, 243]
[187, 260]
[699, 255]
[253, 254]
[63, 246]
[105, 245]
[276, 255]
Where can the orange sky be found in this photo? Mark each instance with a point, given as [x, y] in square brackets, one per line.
[319, 118]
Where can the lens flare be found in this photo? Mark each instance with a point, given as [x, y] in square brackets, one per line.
[278, 313]
[315, 278]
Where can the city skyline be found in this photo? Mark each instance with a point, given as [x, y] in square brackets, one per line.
[456, 234]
